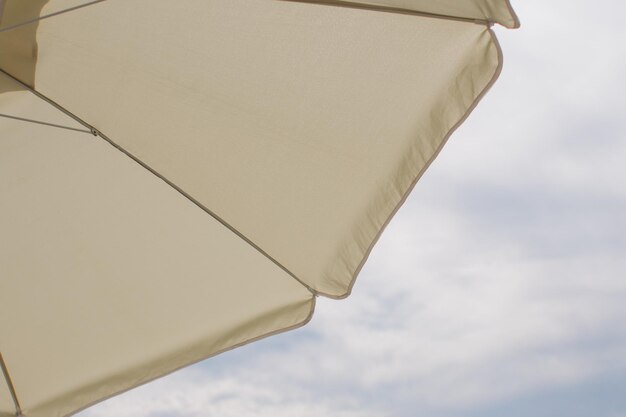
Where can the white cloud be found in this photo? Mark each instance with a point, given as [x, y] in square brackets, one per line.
[189, 395]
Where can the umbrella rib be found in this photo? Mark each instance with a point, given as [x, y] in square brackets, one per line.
[391, 9]
[7, 377]
[23, 119]
[96, 132]
[37, 19]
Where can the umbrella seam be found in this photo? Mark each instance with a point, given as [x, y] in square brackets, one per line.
[397, 10]
[337, 3]
[37, 19]
[97, 132]
[39, 122]
[7, 377]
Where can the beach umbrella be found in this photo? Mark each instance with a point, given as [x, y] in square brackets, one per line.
[181, 178]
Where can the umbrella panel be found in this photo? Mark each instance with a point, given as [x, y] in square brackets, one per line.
[306, 143]
[110, 278]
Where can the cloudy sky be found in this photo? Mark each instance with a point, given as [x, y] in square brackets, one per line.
[498, 289]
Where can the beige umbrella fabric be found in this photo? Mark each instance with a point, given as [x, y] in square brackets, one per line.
[195, 173]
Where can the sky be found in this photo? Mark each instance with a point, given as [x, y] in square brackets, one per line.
[499, 289]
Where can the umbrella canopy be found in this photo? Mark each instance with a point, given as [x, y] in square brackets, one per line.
[181, 178]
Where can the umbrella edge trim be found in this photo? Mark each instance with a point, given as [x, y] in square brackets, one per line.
[462, 120]
[295, 326]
